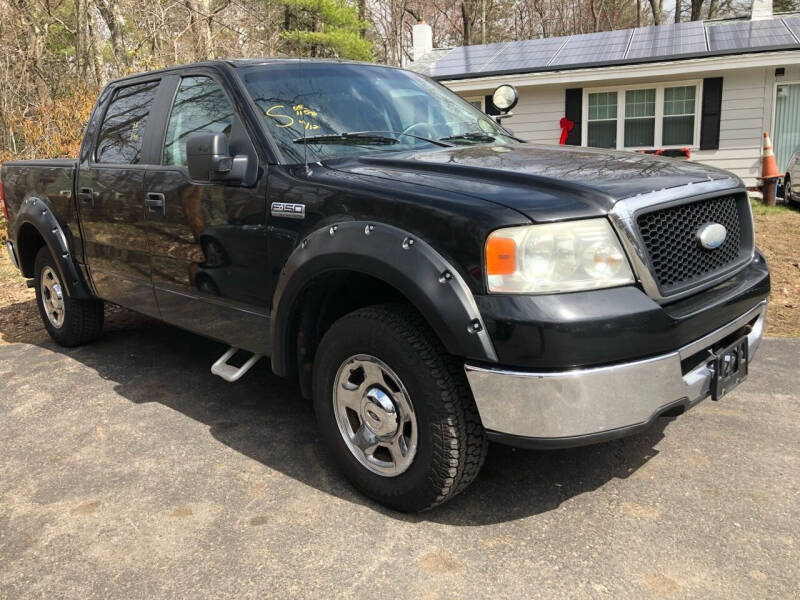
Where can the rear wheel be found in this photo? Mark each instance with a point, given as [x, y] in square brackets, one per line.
[788, 193]
[395, 410]
[69, 321]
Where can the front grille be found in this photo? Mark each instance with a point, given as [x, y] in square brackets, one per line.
[677, 260]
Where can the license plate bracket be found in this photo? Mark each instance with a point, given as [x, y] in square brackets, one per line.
[730, 368]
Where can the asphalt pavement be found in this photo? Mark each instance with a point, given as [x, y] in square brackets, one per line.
[127, 470]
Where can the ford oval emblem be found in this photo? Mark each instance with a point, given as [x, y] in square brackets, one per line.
[712, 235]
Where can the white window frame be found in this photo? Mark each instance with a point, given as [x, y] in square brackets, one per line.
[480, 99]
[659, 125]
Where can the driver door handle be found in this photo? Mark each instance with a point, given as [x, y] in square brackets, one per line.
[155, 203]
[86, 195]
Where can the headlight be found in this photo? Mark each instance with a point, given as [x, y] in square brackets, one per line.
[556, 257]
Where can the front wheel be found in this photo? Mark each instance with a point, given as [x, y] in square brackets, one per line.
[69, 321]
[394, 409]
[788, 192]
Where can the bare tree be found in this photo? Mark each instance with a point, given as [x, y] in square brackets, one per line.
[657, 7]
[111, 13]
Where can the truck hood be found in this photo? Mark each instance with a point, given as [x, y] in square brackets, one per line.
[542, 182]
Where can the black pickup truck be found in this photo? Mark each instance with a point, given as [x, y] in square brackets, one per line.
[431, 281]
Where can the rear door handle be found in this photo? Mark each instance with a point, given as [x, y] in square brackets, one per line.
[86, 196]
[155, 203]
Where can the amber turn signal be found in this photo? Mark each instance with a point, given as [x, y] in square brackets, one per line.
[501, 256]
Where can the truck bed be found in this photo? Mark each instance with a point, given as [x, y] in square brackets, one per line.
[51, 181]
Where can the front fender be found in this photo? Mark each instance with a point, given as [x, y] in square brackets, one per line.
[35, 212]
[403, 261]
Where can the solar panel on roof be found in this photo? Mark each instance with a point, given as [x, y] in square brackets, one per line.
[673, 40]
[466, 59]
[606, 46]
[741, 35]
[528, 54]
[682, 40]
[793, 23]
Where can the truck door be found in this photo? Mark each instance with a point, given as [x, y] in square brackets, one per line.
[111, 200]
[208, 242]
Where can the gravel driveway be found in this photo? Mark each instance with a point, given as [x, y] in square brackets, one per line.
[129, 471]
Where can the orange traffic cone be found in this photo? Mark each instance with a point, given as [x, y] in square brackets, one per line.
[769, 168]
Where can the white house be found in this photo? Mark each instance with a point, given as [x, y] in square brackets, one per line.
[707, 89]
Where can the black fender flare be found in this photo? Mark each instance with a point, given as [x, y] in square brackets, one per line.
[398, 258]
[58, 239]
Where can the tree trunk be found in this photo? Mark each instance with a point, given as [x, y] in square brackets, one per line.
[678, 9]
[713, 7]
[483, 21]
[465, 17]
[656, 6]
[697, 9]
[200, 23]
[80, 65]
[111, 13]
[94, 53]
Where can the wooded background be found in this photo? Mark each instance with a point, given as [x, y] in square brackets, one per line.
[56, 54]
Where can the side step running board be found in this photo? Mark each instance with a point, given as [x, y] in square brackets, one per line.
[230, 373]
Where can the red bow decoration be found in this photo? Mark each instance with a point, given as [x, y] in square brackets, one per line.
[566, 126]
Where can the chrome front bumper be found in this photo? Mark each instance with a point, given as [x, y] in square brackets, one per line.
[12, 253]
[574, 407]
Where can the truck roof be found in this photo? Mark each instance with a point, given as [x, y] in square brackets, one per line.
[247, 62]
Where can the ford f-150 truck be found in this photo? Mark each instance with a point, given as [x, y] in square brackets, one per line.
[431, 281]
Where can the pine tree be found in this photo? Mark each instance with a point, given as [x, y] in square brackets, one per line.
[324, 28]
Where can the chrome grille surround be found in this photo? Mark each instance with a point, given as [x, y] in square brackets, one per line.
[624, 216]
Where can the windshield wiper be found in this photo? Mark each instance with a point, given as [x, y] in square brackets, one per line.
[361, 137]
[347, 138]
[470, 136]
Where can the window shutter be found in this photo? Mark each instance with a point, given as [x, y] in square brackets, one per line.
[573, 111]
[712, 110]
[491, 109]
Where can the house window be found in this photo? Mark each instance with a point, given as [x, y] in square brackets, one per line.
[640, 117]
[633, 117]
[679, 108]
[476, 102]
[602, 122]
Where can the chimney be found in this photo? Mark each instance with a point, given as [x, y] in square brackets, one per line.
[422, 39]
[760, 10]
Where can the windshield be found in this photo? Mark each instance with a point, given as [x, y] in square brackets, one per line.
[307, 107]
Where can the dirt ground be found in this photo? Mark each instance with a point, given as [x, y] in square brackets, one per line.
[777, 235]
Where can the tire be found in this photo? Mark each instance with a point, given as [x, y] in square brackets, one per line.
[443, 436]
[69, 321]
[788, 193]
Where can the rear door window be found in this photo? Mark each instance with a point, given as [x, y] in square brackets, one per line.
[122, 133]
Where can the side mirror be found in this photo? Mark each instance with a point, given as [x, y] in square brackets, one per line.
[208, 159]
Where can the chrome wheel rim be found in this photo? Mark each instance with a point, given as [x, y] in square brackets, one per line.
[52, 297]
[375, 415]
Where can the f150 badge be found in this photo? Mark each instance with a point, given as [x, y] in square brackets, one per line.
[288, 210]
[712, 235]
